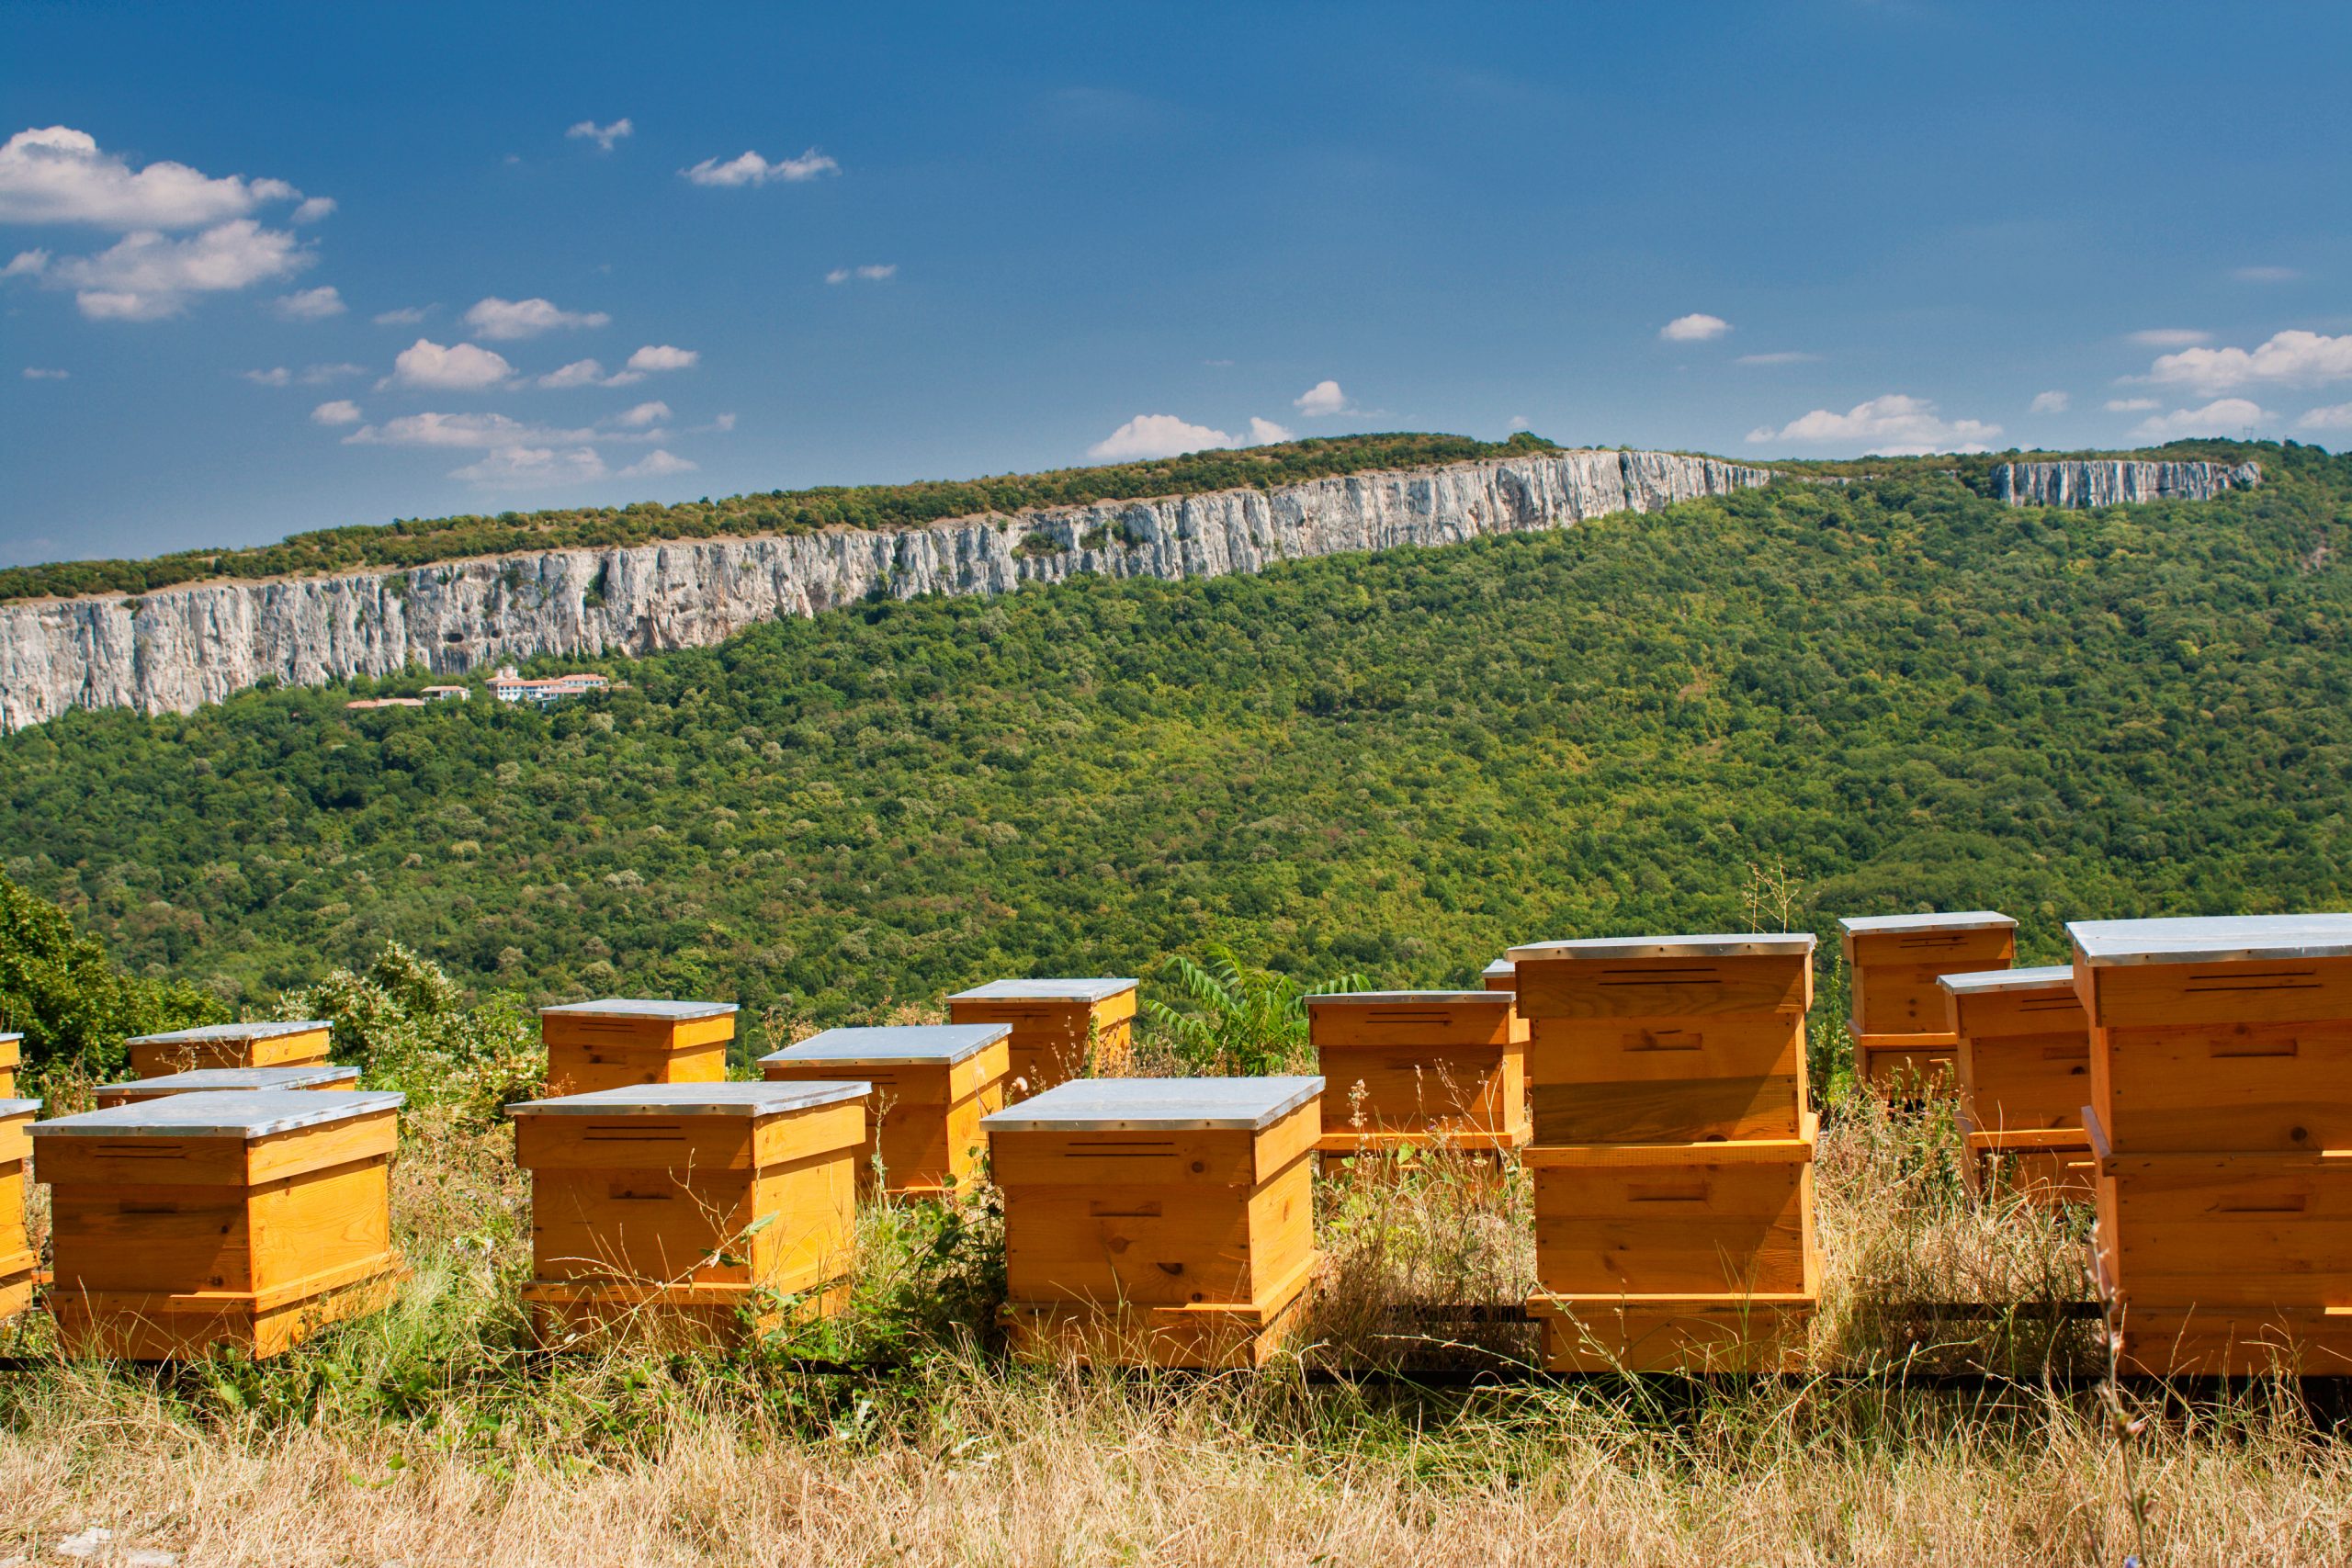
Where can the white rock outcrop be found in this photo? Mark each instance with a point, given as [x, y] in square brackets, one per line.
[176, 648]
[2117, 482]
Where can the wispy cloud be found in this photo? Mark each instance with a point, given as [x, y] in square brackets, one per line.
[662, 356]
[406, 316]
[2289, 358]
[2131, 405]
[1893, 426]
[43, 373]
[604, 136]
[659, 464]
[2338, 417]
[2050, 402]
[2266, 274]
[1781, 357]
[2223, 416]
[341, 410]
[506, 320]
[750, 169]
[871, 273]
[310, 305]
[1696, 327]
[2170, 337]
[146, 276]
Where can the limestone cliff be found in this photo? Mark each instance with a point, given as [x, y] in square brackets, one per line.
[2113, 481]
[182, 647]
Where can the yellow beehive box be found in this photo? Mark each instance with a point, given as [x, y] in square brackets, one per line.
[12, 1048]
[1061, 1029]
[258, 1044]
[2024, 1063]
[931, 1085]
[1666, 1040]
[2231, 1034]
[1421, 1069]
[16, 1261]
[1904, 1044]
[625, 1042]
[695, 1211]
[1498, 975]
[213, 1080]
[1164, 1221]
[245, 1218]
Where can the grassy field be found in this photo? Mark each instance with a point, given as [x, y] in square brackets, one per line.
[431, 1435]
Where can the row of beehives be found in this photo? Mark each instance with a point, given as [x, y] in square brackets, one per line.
[1671, 1142]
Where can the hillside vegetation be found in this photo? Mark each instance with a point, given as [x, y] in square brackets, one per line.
[1894, 690]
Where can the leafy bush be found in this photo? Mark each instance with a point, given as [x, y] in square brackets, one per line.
[73, 1006]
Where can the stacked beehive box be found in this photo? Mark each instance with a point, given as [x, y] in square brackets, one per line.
[1903, 1045]
[1164, 1221]
[250, 1219]
[2221, 1111]
[16, 1259]
[625, 1042]
[692, 1211]
[1673, 1151]
[1418, 1069]
[1061, 1029]
[2025, 1052]
[284, 1045]
[11, 1058]
[931, 1085]
[1498, 975]
[212, 1080]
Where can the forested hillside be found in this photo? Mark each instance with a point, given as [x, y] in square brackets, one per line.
[1901, 693]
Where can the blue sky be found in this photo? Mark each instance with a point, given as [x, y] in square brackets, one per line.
[377, 273]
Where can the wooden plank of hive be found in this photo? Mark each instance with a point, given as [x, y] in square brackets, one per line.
[1667, 1079]
[1060, 1027]
[619, 1042]
[262, 1043]
[1895, 960]
[1676, 1218]
[1421, 1069]
[1666, 976]
[16, 1259]
[1679, 1332]
[11, 1059]
[931, 1085]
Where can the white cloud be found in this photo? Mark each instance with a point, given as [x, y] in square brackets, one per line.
[2224, 416]
[533, 468]
[869, 274]
[341, 410]
[2336, 418]
[460, 368]
[310, 305]
[750, 169]
[277, 376]
[41, 373]
[26, 263]
[662, 356]
[1321, 400]
[658, 463]
[1265, 431]
[406, 316]
[2289, 358]
[2170, 337]
[604, 136]
[319, 375]
[313, 209]
[1157, 435]
[58, 176]
[485, 431]
[1517, 421]
[2050, 402]
[2267, 275]
[1696, 327]
[642, 415]
[588, 373]
[1893, 425]
[1784, 357]
[503, 320]
[2129, 405]
[145, 276]
[724, 421]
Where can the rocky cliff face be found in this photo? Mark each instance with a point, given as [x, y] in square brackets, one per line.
[186, 646]
[2108, 482]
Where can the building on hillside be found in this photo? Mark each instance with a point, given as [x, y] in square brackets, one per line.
[447, 694]
[364, 703]
[509, 687]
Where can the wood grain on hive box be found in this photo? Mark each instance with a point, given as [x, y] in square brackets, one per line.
[617, 1042]
[699, 1206]
[1420, 1068]
[11, 1058]
[1666, 977]
[1055, 1023]
[252, 1044]
[1164, 1220]
[1895, 960]
[931, 1085]
[16, 1259]
[248, 1217]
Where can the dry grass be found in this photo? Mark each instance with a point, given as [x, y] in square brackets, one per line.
[429, 1435]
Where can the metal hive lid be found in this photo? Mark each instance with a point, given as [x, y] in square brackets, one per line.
[752, 1099]
[637, 1007]
[884, 1045]
[1989, 982]
[204, 1079]
[247, 1113]
[18, 1106]
[1104, 1105]
[1405, 999]
[205, 1034]
[1956, 920]
[2211, 939]
[1710, 944]
[1044, 990]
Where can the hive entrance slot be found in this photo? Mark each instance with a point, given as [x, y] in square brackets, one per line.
[1930, 941]
[1422, 1017]
[2271, 980]
[1669, 1040]
[2244, 1047]
[148, 1206]
[142, 1150]
[2262, 1204]
[1149, 1210]
[1133, 1148]
[2068, 1052]
[634, 1133]
[2049, 1004]
[1693, 1191]
[1684, 975]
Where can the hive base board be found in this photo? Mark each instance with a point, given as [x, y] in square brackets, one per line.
[129, 1326]
[569, 1315]
[2048, 1166]
[1908, 1067]
[1203, 1337]
[1764, 1333]
[2162, 1342]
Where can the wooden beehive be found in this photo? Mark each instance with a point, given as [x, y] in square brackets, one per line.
[245, 1218]
[1061, 1029]
[1673, 1151]
[1498, 975]
[1421, 1069]
[282, 1044]
[2024, 1068]
[933, 1083]
[1901, 1022]
[695, 1211]
[1666, 1040]
[211, 1080]
[11, 1058]
[626, 1042]
[1163, 1222]
[16, 1259]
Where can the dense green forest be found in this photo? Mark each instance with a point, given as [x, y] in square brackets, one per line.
[1896, 692]
[419, 541]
